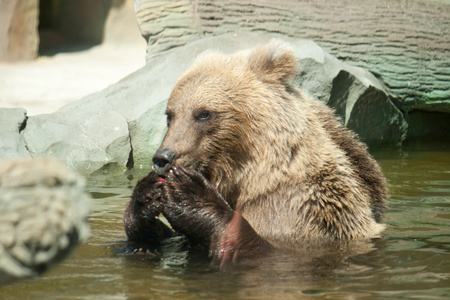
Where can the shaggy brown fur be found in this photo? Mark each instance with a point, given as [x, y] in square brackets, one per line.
[280, 158]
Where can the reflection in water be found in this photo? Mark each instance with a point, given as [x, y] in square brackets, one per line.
[410, 261]
[311, 271]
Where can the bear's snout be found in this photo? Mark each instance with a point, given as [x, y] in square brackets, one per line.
[162, 160]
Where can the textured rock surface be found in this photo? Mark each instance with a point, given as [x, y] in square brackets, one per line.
[86, 138]
[12, 121]
[19, 38]
[43, 215]
[124, 124]
[358, 97]
[405, 42]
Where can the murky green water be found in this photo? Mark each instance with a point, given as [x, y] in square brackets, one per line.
[412, 260]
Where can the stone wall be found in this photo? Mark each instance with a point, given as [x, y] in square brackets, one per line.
[404, 43]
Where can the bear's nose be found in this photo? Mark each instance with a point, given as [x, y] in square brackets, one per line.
[162, 160]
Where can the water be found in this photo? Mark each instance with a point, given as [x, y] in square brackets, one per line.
[412, 260]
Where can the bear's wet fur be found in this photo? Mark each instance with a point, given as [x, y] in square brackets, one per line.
[255, 162]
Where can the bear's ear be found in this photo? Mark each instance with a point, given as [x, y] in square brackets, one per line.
[273, 63]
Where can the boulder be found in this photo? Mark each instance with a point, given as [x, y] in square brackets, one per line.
[43, 215]
[146, 134]
[367, 109]
[12, 121]
[358, 97]
[86, 137]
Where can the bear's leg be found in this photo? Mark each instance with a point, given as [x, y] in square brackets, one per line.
[239, 239]
[195, 208]
[141, 215]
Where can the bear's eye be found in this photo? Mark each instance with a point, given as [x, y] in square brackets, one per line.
[169, 116]
[203, 115]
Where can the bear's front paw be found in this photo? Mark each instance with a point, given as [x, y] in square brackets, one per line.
[146, 196]
[140, 218]
[193, 206]
[183, 185]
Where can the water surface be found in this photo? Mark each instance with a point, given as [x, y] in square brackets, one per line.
[411, 260]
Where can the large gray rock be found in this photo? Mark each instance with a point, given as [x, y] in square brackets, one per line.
[85, 138]
[12, 121]
[367, 109]
[123, 124]
[358, 97]
[43, 215]
[146, 134]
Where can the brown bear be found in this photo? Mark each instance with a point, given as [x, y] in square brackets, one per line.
[250, 162]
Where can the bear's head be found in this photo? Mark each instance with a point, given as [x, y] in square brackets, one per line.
[228, 110]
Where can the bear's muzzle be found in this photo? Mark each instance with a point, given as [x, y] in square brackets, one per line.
[162, 161]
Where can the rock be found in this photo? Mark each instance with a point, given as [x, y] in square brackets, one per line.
[86, 138]
[19, 30]
[358, 97]
[43, 215]
[147, 133]
[12, 121]
[367, 109]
